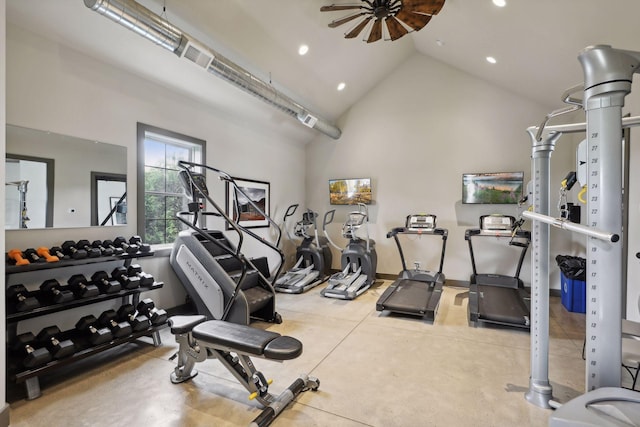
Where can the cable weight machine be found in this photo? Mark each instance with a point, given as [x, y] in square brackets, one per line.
[608, 75]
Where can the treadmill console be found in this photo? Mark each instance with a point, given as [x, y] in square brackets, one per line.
[421, 222]
[499, 224]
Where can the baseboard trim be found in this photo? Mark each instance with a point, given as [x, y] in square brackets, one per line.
[4, 416]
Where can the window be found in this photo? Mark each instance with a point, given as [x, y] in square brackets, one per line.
[160, 195]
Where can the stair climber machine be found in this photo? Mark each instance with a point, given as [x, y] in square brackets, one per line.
[228, 289]
[358, 260]
[498, 298]
[416, 292]
[313, 256]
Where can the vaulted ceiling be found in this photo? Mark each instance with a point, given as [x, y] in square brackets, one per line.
[535, 43]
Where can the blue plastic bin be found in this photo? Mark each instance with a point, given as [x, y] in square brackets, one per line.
[573, 294]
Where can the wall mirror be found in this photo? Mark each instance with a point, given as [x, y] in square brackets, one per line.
[60, 181]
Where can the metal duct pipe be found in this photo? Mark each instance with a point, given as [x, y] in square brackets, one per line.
[136, 17]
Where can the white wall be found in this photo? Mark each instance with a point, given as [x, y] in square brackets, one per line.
[415, 134]
[77, 95]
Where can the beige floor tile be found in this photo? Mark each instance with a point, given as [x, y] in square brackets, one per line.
[375, 369]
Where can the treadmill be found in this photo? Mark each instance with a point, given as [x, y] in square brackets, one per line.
[498, 298]
[416, 292]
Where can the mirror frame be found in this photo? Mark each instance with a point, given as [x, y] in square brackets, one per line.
[102, 176]
[50, 184]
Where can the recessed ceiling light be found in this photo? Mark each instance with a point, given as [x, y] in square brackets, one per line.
[491, 60]
[341, 86]
[303, 49]
[500, 3]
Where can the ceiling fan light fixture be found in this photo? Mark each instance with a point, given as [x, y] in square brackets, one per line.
[400, 17]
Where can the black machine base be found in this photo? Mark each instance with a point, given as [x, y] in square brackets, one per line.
[499, 305]
[411, 297]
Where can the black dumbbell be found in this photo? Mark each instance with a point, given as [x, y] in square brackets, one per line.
[109, 320]
[104, 250]
[81, 287]
[135, 270]
[57, 251]
[21, 298]
[69, 248]
[148, 308]
[97, 335]
[102, 281]
[121, 242]
[55, 292]
[121, 275]
[138, 322]
[33, 256]
[142, 247]
[109, 244]
[91, 251]
[50, 338]
[25, 346]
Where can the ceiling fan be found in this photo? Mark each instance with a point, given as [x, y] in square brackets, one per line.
[400, 16]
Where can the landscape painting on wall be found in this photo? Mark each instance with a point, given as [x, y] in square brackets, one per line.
[492, 187]
[350, 191]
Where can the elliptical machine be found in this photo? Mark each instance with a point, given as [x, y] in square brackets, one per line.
[359, 258]
[313, 256]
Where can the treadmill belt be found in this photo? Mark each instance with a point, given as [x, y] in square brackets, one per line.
[502, 305]
[409, 296]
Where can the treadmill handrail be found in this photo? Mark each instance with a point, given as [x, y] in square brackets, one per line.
[433, 232]
[522, 234]
[519, 234]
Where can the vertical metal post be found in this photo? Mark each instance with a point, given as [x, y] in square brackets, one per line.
[608, 74]
[540, 392]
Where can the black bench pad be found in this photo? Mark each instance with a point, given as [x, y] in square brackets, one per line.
[248, 340]
[184, 324]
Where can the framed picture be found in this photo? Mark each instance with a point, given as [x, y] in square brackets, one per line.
[350, 191]
[492, 187]
[248, 216]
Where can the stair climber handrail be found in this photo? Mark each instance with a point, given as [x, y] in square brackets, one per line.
[235, 225]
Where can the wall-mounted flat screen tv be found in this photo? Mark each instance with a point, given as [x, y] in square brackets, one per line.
[492, 187]
[350, 191]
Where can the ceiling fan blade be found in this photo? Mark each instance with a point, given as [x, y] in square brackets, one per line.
[376, 31]
[396, 30]
[338, 22]
[414, 20]
[354, 33]
[429, 7]
[335, 7]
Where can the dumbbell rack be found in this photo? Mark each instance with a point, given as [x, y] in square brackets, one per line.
[30, 377]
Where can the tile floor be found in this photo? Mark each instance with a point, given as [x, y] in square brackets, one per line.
[375, 370]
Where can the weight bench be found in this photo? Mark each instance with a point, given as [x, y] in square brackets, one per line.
[233, 344]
